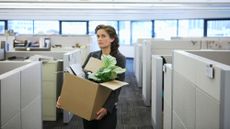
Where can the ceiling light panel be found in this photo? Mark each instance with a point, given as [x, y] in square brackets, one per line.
[122, 1]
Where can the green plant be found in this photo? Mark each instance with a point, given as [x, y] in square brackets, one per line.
[108, 71]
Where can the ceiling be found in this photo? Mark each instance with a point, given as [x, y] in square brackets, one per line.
[113, 9]
[121, 1]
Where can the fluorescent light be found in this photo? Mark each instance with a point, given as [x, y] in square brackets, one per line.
[108, 6]
[72, 6]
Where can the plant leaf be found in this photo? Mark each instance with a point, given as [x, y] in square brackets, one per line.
[108, 60]
[108, 71]
[93, 77]
[119, 70]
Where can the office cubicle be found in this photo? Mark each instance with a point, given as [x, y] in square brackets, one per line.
[159, 47]
[20, 84]
[162, 47]
[62, 42]
[165, 47]
[201, 89]
[52, 78]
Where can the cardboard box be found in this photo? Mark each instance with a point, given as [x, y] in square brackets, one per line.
[84, 97]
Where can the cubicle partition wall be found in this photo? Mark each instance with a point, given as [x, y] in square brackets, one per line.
[219, 44]
[20, 95]
[71, 40]
[157, 91]
[143, 51]
[83, 50]
[201, 90]
[138, 60]
[164, 47]
[159, 47]
[146, 72]
[167, 112]
[138, 63]
[22, 55]
[157, 88]
[214, 43]
[64, 42]
[52, 77]
[2, 54]
[8, 41]
[82, 42]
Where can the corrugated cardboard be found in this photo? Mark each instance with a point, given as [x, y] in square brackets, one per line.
[93, 65]
[84, 97]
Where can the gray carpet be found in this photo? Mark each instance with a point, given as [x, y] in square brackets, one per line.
[132, 114]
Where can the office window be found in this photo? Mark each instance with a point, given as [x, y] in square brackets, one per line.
[2, 27]
[74, 28]
[141, 29]
[191, 28]
[165, 29]
[124, 32]
[93, 24]
[46, 27]
[21, 26]
[218, 28]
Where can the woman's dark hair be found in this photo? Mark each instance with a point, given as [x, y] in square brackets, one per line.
[112, 34]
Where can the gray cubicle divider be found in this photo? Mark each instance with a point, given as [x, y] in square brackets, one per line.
[31, 95]
[146, 72]
[156, 105]
[138, 64]
[159, 47]
[20, 95]
[68, 57]
[157, 79]
[201, 89]
[67, 42]
[25, 54]
[8, 40]
[52, 78]
[167, 114]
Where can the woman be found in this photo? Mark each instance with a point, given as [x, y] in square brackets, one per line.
[108, 42]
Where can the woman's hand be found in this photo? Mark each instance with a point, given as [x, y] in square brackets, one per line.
[101, 113]
[58, 104]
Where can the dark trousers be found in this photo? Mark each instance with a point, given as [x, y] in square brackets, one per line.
[108, 122]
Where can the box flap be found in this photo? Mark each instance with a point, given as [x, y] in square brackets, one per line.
[113, 85]
[93, 64]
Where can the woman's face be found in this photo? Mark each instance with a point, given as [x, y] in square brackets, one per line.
[103, 39]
